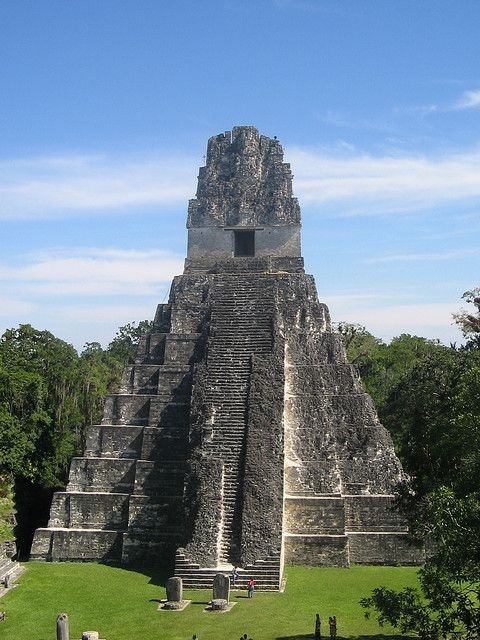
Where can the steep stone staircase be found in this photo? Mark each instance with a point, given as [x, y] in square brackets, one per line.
[266, 573]
[241, 326]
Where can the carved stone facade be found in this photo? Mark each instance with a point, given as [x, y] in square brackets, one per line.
[241, 435]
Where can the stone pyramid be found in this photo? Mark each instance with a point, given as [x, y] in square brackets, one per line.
[240, 435]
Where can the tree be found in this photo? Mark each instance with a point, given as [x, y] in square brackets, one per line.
[99, 374]
[6, 510]
[125, 343]
[381, 366]
[469, 321]
[449, 597]
[433, 411]
[38, 392]
[48, 396]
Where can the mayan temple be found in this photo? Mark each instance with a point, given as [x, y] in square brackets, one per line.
[240, 434]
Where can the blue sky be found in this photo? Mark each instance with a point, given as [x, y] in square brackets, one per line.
[106, 107]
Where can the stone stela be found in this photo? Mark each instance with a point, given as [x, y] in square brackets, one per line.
[240, 434]
[63, 629]
[175, 601]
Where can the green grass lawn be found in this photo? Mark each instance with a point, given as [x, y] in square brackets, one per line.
[122, 604]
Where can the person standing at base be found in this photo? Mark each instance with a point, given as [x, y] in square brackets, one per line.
[318, 623]
[332, 623]
[251, 588]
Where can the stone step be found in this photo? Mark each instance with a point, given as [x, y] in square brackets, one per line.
[6, 565]
[241, 339]
[206, 582]
[9, 571]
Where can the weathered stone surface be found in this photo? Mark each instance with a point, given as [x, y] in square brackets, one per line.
[85, 510]
[77, 545]
[219, 604]
[203, 503]
[245, 181]
[221, 587]
[383, 548]
[62, 627]
[240, 429]
[315, 550]
[174, 589]
[264, 461]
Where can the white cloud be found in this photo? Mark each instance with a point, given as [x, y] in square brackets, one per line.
[425, 257]
[60, 186]
[79, 323]
[468, 100]
[111, 315]
[352, 182]
[93, 271]
[362, 184]
[11, 306]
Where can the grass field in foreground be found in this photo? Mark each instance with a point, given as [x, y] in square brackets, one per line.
[122, 604]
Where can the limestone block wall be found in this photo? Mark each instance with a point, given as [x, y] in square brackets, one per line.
[82, 545]
[316, 550]
[340, 466]
[148, 516]
[74, 510]
[126, 409]
[203, 505]
[262, 515]
[180, 348]
[252, 265]
[383, 548]
[159, 478]
[151, 347]
[108, 441]
[167, 442]
[104, 475]
[372, 513]
[218, 242]
[315, 515]
[334, 441]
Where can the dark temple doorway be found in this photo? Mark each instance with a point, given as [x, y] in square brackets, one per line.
[244, 243]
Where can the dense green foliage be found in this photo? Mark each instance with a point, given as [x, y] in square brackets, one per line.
[49, 394]
[6, 510]
[469, 320]
[123, 604]
[428, 396]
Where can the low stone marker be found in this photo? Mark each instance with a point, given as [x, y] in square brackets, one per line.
[219, 604]
[221, 587]
[175, 601]
[90, 635]
[174, 589]
[221, 593]
[62, 627]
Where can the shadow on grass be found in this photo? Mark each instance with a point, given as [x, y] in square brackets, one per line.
[158, 575]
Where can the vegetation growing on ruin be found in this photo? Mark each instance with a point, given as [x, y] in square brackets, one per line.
[6, 510]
